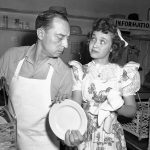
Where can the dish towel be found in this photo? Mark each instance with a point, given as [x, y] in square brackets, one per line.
[114, 101]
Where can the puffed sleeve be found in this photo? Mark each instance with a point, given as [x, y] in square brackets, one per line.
[77, 74]
[130, 79]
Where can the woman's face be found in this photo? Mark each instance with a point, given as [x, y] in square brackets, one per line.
[100, 45]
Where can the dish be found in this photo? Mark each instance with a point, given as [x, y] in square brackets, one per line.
[67, 115]
[75, 30]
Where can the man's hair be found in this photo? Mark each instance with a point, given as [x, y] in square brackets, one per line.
[45, 18]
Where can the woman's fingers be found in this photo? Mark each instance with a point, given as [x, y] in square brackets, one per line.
[60, 98]
[73, 138]
[65, 96]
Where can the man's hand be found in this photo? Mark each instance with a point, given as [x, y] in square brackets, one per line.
[73, 138]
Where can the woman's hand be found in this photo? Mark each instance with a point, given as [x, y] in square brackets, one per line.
[115, 99]
[59, 98]
[73, 138]
[129, 108]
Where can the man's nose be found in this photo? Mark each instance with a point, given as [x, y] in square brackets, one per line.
[65, 43]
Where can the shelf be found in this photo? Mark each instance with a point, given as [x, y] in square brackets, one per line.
[37, 12]
[29, 17]
[33, 31]
[18, 11]
[14, 29]
[133, 143]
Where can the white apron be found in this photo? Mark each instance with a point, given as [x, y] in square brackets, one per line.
[31, 99]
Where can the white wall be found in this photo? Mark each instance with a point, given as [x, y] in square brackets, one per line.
[88, 8]
[94, 8]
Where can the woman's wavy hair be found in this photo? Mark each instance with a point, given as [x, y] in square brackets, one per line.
[107, 25]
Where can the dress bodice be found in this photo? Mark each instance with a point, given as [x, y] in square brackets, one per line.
[96, 80]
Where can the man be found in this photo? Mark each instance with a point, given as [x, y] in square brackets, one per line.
[36, 77]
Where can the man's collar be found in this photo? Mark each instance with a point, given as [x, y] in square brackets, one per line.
[29, 53]
[51, 61]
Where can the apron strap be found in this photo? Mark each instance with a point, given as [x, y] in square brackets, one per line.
[18, 67]
[50, 73]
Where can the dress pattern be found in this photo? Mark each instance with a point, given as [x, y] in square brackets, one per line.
[102, 89]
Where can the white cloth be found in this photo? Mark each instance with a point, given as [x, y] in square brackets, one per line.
[77, 74]
[31, 99]
[114, 101]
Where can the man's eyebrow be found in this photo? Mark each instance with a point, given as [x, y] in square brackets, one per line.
[60, 34]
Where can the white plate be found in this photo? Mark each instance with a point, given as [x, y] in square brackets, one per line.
[67, 115]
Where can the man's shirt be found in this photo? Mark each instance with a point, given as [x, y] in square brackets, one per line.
[61, 82]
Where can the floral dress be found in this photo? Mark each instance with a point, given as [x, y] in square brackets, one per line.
[102, 89]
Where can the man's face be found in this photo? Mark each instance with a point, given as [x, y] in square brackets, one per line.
[55, 39]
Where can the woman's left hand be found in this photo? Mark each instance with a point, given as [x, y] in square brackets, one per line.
[59, 98]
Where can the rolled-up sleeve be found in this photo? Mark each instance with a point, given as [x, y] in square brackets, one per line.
[66, 84]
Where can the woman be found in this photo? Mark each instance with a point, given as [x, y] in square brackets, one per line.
[105, 89]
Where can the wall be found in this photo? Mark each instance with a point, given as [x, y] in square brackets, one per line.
[88, 8]
[96, 8]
